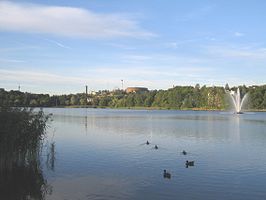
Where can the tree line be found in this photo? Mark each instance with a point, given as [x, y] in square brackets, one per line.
[179, 97]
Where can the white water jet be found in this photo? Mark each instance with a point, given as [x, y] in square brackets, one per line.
[238, 102]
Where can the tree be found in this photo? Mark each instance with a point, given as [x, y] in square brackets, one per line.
[83, 101]
[149, 98]
[104, 101]
[179, 97]
[138, 99]
[130, 100]
[33, 102]
[264, 101]
[62, 100]
[74, 100]
[197, 86]
[44, 100]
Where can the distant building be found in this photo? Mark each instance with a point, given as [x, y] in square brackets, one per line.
[136, 89]
[92, 93]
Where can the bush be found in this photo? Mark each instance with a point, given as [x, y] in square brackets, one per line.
[22, 132]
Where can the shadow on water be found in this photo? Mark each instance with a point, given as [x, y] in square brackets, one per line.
[22, 133]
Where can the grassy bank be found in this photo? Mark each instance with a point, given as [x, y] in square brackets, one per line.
[142, 108]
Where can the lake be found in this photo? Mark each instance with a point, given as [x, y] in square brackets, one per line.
[102, 154]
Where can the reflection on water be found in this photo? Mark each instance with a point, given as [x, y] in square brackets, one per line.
[21, 174]
[22, 182]
[50, 160]
[204, 125]
[102, 154]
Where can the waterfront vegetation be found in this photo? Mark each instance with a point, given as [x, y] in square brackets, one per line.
[22, 132]
[179, 97]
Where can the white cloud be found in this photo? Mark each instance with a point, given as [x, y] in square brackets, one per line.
[238, 34]
[2, 60]
[250, 53]
[101, 77]
[194, 41]
[172, 45]
[121, 46]
[40, 81]
[21, 48]
[197, 14]
[59, 44]
[36, 77]
[66, 21]
[148, 73]
[135, 58]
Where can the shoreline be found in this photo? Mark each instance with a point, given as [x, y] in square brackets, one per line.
[152, 108]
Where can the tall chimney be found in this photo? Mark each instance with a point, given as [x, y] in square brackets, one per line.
[86, 95]
[86, 90]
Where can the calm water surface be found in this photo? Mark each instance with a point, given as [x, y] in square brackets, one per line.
[101, 154]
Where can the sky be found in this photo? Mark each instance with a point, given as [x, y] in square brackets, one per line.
[59, 46]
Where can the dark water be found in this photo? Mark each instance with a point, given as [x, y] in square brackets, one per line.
[101, 154]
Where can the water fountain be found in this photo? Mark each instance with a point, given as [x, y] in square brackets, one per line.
[238, 102]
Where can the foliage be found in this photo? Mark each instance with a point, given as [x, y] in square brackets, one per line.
[21, 134]
[20, 128]
[179, 97]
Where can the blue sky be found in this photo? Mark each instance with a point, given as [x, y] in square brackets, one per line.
[59, 46]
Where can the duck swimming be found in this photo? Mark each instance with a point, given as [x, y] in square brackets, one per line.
[189, 163]
[166, 174]
[147, 142]
[156, 147]
[184, 152]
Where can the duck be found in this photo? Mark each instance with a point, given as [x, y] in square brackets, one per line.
[166, 174]
[147, 142]
[156, 147]
[184, 152]
[189, 163]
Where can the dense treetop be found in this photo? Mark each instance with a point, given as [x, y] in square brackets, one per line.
[179, 97]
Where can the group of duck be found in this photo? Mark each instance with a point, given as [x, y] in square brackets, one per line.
[167, 174]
